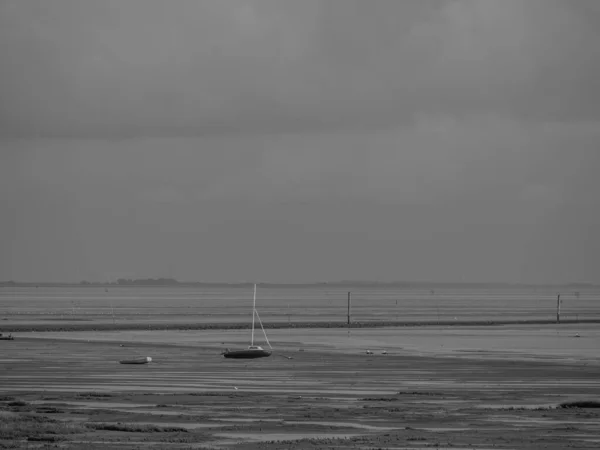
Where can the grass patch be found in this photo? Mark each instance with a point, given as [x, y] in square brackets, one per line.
[134, 428]
[227, 393]
[426, 393]
[48, 410]
[21, 426]
[526, 408]
[48, 438]
[93, 395]
[18, 403]
[580, 404]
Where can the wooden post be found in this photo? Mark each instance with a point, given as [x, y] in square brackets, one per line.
[349, 299]
[558, 309]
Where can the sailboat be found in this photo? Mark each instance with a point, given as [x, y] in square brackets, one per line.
[253, 351]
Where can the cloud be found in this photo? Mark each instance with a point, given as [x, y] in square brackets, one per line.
[443, 139]
[479, 198]
[81, 68]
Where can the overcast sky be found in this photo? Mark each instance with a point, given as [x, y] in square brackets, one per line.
[288, 140]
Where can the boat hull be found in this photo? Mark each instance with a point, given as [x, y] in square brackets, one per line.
[145, 360]
[246, 354]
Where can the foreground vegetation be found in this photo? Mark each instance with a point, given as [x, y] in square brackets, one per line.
[34, 427]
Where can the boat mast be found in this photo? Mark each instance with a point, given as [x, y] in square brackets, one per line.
[253, 312]
[263, 329]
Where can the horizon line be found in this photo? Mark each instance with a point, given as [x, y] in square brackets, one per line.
[173, 282]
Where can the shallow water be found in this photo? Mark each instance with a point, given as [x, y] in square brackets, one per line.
[151, 305]
[516, 343]
[343, 425]
[84, 404]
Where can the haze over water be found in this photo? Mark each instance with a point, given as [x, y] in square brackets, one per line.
[295, 304]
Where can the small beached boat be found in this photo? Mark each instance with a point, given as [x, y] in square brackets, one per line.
[253, 351]
[143, 360]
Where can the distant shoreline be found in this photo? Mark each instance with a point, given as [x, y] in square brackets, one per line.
[166, 283]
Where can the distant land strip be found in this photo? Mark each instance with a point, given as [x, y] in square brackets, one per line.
[173, 283]
[12, 328]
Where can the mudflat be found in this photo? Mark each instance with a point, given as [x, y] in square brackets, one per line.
[510, 387]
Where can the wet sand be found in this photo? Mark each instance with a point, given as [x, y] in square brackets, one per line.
[442, 387]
